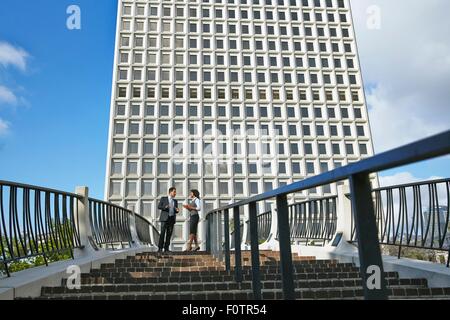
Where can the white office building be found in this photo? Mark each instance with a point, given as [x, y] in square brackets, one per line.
[233, 98]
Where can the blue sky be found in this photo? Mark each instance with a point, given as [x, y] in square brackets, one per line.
[58, 134]
[53, 130]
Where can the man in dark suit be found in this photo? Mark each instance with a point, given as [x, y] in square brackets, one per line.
[169, 209]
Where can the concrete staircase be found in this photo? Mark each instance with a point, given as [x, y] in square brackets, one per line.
[199, 276]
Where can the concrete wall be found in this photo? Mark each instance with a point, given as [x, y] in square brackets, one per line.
[28, 283]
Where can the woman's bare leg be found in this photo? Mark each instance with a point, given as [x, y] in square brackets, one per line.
[196, 242]
[189, 247]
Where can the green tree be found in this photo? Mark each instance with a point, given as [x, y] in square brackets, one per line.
[46, 251]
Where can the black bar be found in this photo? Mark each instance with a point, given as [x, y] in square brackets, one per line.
[367, 235]
[237, 245]
[216, 235]
[208, 234]
[37, 188]
[227, 240]
[254, 243]
[284, 238]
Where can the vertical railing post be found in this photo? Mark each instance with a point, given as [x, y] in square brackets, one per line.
[202, 233]
[226, 222]
[212, 234]
[152, 233]
[84, 222]
[344, 213]
[219, 235]
[215, 234]
[371, 263]
[274, 229]
[237, 244]
[245, 230]
[208, 234]
[287, 272]
[254, 243]
[133, 230]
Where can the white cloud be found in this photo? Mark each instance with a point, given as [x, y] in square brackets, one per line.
[7, 96]
[408, 178]
[10, 55]
[406, 67]
[402, 178]
[4, 127]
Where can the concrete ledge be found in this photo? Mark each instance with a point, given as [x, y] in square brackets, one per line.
[28, 283]
[6, 294]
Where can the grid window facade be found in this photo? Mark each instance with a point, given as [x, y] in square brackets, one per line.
[281, 78]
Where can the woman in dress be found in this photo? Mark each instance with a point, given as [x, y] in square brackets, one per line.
[194, 207]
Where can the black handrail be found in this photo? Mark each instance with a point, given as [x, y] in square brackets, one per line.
[36, 221]
[362, 206]
[110, 223]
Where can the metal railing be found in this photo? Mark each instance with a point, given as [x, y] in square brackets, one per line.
[241, 230]
[313, 220]
[47, 223]
[36, 221]
[144, 229]
[362, 205]
[414, 215]
[264, 226]
[110, 224]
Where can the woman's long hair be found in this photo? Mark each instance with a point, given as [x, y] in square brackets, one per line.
[196, 193]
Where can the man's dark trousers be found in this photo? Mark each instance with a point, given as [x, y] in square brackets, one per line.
[166, 232]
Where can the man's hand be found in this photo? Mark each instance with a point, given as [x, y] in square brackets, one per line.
[177, 210]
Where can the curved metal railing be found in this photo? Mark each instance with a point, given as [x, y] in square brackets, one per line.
[110, 223]
[415, 215]
[42, 222]
[313, 220]
[155, 234]
[264, 226]
[144, 229]
[36, 221]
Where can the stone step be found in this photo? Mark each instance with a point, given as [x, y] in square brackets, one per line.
[305, 264]
[307, 294]
[200, 276]
[173, 253]
[204, 261]
[169, 258]
[174, 261]
[222, 277]
[159, 265]
[214, 270]
[147, 267]
[211, 286]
